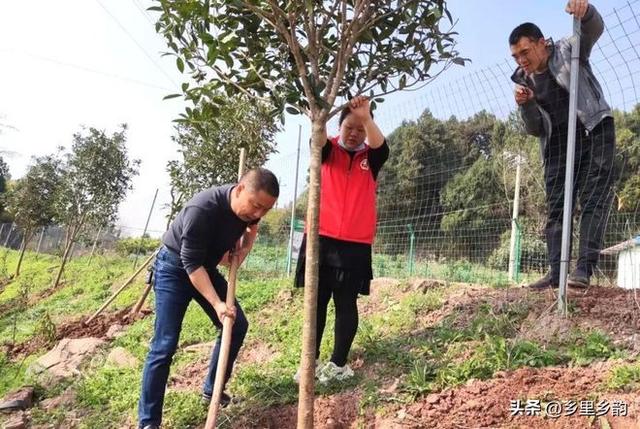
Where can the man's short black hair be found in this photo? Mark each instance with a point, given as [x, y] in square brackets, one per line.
[528, 30]
[261, 179]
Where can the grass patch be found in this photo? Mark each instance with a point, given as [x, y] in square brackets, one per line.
[14, 373]
[86, 288]
[110, 394]
[624, 378]
[137, 337]
[183, 410]
[586, 348]
[266, 385]
[504, 321]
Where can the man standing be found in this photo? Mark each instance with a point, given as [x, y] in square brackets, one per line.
[199, 239]
[542, 82]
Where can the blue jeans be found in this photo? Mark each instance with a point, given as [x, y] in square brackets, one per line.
[173, 293]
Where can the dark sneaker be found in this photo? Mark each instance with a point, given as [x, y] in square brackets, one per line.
[225, 399]
[151, 426]
[578, 280]
[547, 282]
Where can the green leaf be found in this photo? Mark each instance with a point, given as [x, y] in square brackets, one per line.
[292, 110]
[170, 96]
[180, 64]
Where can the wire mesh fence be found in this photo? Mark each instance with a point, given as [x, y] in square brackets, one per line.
[446, 195]
[51, 239]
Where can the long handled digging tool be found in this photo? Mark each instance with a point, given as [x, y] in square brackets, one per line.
[227, 325]
[223, 360]
[149, 283]
[116, 293]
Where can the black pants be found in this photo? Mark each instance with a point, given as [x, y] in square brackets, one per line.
[594, 176]
[345, 297]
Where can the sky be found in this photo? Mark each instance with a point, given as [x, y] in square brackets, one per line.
[97, 63]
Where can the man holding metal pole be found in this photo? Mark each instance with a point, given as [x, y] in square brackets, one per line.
[198, 240]
[543, 93]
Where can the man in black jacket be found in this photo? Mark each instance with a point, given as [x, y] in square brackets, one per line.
[198, 240]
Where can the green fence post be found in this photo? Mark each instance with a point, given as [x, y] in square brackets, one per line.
[412, 239]
[516, 273]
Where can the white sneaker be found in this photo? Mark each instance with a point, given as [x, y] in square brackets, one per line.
[296, 376]
[330, 371]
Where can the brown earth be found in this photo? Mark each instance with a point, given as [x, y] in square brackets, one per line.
[77, 329]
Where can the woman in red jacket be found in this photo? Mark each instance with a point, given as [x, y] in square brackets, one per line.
[350, 166]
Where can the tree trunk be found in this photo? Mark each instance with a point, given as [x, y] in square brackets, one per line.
[70, 238]
[44, 228]
[308, 359]
[23, 248]
[95, 243]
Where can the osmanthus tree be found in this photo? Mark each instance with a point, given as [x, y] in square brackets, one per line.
[33, 199]
[302, 56]
[97, 175]
[207, 149]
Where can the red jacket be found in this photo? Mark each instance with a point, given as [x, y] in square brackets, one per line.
[347, 196]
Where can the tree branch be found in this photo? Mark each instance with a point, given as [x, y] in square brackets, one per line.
[227, 80]
[325, 23]
[333, 83]
[270, 19]
[312, 51]
[294, 45]
[349, 38]
[382, 94]
[289, 37]
[396, 10]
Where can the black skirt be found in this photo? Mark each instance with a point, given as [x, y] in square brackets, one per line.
[341, 261]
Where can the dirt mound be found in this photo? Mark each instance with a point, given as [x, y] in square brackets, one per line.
[77, 329]
[330, 412]
[487, 403]
[614, 311]
[99, 326]
[257, 352]
[385, 289]
[191, 377]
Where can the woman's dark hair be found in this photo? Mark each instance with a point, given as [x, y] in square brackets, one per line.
[346, 111]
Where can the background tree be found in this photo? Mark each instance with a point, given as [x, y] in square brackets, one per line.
[97, 176]
[5, 176]
[209, 148]
[628, 151]
[304, 55]
[425, 156]
[33, 200]
[453, 181]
